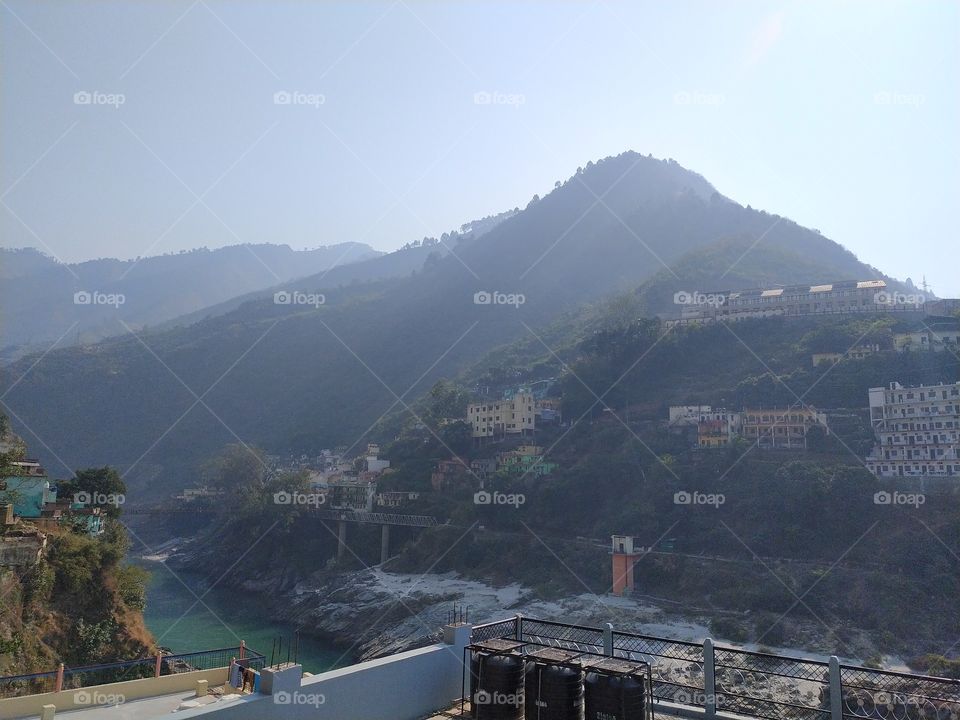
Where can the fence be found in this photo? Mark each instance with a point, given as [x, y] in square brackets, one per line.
[72, 678]
[758, 685]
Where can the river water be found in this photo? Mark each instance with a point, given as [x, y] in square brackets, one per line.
[182, 624]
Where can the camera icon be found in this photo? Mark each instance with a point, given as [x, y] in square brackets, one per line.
[482, 697]
[282, 97]
[682, 498]
[682, 98]
[282, 697]
[282, 298]
[482, 98]
[482, 298]
[482, 497]
[883, 298]
[82, 698]
[82, 98]
[882, 498]
[82, 297]
[84, 498]
[682, 298]
[282, 498]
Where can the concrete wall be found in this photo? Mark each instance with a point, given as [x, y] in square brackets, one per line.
[19, 551]
[130, 690]
[405, 686]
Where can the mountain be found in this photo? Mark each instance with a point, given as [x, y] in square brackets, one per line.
[320, 370]
[43, 299]
[399, 263]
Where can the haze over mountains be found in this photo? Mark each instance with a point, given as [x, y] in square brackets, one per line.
[302, 376]
[38, 292]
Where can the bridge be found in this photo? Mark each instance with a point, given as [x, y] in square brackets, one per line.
[341, 516]
[384, 520]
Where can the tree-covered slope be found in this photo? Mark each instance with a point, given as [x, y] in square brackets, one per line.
[301, 377]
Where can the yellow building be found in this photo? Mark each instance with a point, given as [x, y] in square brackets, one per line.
[493, 419]
[785, 429]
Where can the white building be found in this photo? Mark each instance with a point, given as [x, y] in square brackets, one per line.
[936, 336]
[687, 414]
[918, 430]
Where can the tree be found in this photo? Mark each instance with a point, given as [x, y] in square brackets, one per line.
[236, 468]
[98, 487]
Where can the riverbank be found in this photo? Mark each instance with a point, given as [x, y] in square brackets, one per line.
[221, 618]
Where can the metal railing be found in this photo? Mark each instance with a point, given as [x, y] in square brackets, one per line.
[710, 680]
[883, 695]
[771, 686]
[73, 678]
[677, 666]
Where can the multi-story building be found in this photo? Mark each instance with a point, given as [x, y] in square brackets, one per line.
[782, 429]
[350, 493]
[718, 427]
[848, 296]
[34, 498]
[686, 415]
[918, 430]
[936, 335]
[497, 418]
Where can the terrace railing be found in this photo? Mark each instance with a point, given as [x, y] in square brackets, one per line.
[677, 667]
[73, 678]
[715, 679]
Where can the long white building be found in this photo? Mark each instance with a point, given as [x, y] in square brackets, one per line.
[918, 430]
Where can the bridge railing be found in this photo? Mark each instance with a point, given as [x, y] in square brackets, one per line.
[709, 679]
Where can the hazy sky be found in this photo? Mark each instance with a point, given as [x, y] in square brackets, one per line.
[840, 115]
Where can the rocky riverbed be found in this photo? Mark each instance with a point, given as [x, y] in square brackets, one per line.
[373, 612]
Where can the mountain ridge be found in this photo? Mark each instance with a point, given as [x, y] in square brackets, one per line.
[300, 377]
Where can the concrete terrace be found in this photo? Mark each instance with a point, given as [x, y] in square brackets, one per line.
[685, 679]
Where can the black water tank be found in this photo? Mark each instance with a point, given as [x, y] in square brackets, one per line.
[553, 692]
[496, 686]
[614, 696]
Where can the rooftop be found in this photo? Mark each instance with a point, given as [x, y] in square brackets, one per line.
[684, 679]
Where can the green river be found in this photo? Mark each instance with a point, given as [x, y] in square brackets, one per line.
[231, 616]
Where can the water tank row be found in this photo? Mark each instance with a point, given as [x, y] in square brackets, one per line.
[553, 684]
